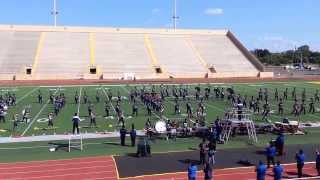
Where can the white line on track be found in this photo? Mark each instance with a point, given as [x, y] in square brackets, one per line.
[61, 164]
[54, 170]
[65, 175]
[37, 115]
[108, 158]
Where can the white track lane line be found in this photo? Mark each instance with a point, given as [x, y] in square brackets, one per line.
[65, 175]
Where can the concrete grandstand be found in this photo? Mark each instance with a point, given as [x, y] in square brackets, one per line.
[43, 52]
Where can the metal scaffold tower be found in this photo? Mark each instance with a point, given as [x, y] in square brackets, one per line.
[234, 120]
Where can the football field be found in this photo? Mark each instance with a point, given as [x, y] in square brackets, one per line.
[27, 98]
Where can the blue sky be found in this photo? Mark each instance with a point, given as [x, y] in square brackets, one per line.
[272, 24]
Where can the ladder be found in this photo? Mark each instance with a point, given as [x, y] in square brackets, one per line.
[75, 142]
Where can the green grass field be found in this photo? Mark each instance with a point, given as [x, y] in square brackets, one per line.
[27, 96]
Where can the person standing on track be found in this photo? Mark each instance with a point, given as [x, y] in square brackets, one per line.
[300, 158]
[261, 171]
[270, 153]
[75, 122]
[208, 171]
[192, 171]
[277, 171]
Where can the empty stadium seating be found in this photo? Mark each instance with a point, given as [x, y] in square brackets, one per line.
[220, 52]
[63, 55]
[69, 53]
[176, 57]
[120, 54]
[17, 50]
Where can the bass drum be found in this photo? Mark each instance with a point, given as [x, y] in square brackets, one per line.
[160, 127]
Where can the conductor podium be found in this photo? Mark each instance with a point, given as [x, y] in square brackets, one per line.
[236, 121]
[75, 142]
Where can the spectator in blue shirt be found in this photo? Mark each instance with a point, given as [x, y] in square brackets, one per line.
[318, 162]
[270, 153]
[261, 171]
[277, 170]
[192, 172]
[280, 144]
[300, 158]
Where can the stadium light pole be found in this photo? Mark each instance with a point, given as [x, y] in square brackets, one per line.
[55, 12]
[175, 17]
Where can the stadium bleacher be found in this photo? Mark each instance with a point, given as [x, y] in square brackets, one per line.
[70, 52]
[176, 57]
[17, 51]
[118, 54]
[63, 55]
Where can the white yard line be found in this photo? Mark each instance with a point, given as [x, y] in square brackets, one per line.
[37, 115]
[110, 100]
[26, 95]
[79, 103]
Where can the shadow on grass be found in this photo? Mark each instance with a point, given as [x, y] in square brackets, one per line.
[113, 144]
[60, 146]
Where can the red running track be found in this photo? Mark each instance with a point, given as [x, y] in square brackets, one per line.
[70, 169]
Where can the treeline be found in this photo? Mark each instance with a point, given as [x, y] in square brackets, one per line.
[288, 57]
